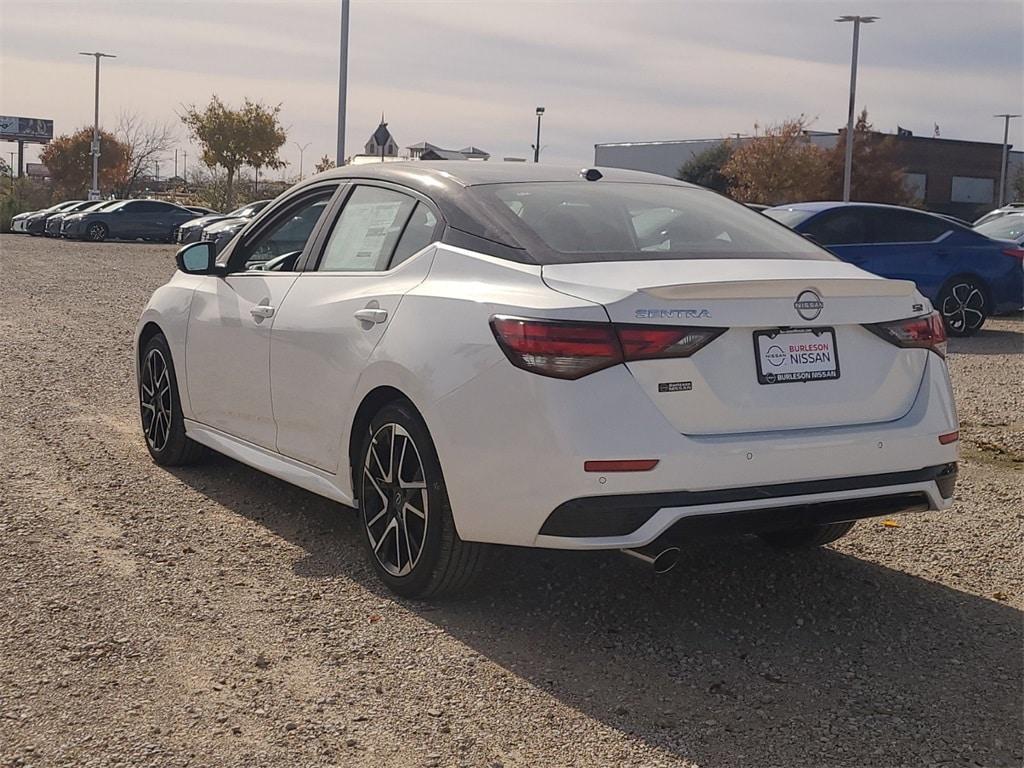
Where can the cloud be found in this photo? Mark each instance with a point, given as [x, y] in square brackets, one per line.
[458, 73]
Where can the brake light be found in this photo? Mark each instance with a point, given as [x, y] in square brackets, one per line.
[564, 350]
[926, 332]
[1017, 253]
[571, 350]
[647, 342]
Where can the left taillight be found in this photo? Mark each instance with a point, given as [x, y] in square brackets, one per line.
[1016, 253]
[925, 332]
[571, 350]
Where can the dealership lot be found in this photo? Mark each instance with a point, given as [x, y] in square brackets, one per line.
[215, 616]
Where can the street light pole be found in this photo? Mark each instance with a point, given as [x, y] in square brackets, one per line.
[536, 147]
[1006, 150]
[94, 193]
[342, 82]
[302, 149]
[848, 166]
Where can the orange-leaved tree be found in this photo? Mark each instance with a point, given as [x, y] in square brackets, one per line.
[69, 161]
[779, 164]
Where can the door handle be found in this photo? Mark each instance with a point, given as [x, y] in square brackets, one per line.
[261, 311]
[371, 315]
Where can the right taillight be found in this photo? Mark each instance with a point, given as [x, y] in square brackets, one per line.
[1016, 253]
[571, 350]
[926, 332]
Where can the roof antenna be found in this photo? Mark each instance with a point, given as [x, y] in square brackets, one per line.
[591, 174]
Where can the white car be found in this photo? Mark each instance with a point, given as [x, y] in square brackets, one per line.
[475, 354]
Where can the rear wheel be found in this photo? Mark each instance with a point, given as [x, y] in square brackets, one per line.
[97, 232]
[963, 306]
[404, 510]
[163, 423]
[810, 536]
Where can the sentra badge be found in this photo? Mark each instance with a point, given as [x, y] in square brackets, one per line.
[674, 314]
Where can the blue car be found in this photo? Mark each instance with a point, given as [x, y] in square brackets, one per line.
[966, 275]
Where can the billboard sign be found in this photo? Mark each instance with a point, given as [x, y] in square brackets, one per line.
[30, 129]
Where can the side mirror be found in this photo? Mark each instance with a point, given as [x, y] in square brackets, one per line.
[198, 259]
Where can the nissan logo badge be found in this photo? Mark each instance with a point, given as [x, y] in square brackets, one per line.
[808, 305]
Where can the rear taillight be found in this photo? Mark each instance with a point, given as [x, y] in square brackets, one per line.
[571, 350]
[1016, 253]
[926, 332]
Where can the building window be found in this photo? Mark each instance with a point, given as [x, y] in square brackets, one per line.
[970, 189]
[916, 184]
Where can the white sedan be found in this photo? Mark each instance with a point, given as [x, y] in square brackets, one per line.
[475, 354]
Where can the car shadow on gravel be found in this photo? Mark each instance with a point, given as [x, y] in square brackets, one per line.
[993, 341]
[739, 656]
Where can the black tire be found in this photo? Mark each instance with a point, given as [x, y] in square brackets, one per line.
[811, 536]
[964, 306]
[392, 504]
[163, 425]
[97, 232]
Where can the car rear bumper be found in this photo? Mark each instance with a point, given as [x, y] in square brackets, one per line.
[513, 447]
[618, 521]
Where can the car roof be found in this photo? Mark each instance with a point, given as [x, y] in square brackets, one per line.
[825, 205]
[429, 177]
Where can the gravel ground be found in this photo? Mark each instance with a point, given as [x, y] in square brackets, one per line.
[214, 616]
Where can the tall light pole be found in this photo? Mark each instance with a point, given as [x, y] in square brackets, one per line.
[342, 82]
[848, 169]
[536, 147]
[302, 149]
[94, 193]
[1006, 150]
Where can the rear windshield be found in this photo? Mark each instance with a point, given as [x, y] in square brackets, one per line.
[561, 222]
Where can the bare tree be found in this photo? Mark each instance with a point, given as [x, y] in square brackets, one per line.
[146, 142]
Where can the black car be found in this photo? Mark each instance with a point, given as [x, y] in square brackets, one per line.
[192, 231]
[36, 223]
[128, 220]
[202, 210]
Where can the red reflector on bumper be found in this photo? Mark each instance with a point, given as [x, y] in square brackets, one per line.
[621, 465]
[949, 437]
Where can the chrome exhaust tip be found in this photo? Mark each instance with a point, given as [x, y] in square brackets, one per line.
[662, 559]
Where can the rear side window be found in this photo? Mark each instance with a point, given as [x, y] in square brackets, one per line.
[367, 230]
[418, 234]
[564, 222]
[842, 226]
[890, 226]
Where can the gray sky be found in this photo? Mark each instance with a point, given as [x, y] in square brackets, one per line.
[460, 73]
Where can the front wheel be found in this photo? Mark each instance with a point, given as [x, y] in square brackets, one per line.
[405, 513]
[963, 306]
[97, 232]
[163, 423]
[810, 536]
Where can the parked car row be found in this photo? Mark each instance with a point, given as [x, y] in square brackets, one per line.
[100, 220]
[967, 273]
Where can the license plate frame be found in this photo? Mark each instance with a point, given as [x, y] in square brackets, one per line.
[768, 377]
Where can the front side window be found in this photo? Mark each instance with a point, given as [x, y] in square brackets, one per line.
[564, 222]
[842, 226]
[290, 232]
[367, 230]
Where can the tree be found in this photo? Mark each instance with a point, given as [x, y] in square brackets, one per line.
[877, 174]
[705, 168]
[232, 138]
[146, 142]
[325, 164]
[69, 161]
[777, 166]
[1017, 189]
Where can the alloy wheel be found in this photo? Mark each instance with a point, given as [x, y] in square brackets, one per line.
[963, 308]
[97, 232]
[155, 400]
[394, 500]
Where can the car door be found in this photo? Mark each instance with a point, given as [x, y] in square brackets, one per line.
[230, 321]
[337, 312]
[908, 245]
